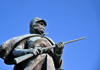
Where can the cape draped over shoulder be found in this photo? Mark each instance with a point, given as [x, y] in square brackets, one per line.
[7, 47]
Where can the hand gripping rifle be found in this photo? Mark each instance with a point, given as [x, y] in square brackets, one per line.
[27, 56]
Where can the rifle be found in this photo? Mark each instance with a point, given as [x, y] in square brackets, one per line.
[27, 56]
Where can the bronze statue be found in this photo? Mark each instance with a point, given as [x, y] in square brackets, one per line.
[50, 59]
[33, 51]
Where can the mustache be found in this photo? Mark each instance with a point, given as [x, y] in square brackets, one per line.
[39, 28]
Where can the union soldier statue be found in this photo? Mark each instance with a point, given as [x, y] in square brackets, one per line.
[50, 59]
[33, 51]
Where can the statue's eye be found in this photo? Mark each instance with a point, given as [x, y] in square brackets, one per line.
[41, 23]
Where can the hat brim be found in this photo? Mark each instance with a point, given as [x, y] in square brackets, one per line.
[43, 22]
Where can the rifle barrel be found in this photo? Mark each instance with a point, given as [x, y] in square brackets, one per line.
[74, 40]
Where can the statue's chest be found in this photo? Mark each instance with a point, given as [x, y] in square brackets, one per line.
[38, 42]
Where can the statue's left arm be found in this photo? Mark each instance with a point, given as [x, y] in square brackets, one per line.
[58, 55]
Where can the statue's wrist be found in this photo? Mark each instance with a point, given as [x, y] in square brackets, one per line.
[59, 52]
[29, 51]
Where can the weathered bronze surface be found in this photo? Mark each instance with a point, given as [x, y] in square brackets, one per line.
[33, 51]
[33, 44]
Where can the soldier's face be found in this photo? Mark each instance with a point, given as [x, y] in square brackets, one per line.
[39, 27]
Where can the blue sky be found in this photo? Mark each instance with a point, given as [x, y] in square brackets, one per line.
[66, 20]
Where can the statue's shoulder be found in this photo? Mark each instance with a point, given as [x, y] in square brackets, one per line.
[19, 38]
[50, 40]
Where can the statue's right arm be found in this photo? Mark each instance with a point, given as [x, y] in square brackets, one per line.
[20, 50]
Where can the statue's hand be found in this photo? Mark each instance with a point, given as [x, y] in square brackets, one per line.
[59, 47]
[36, 51]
